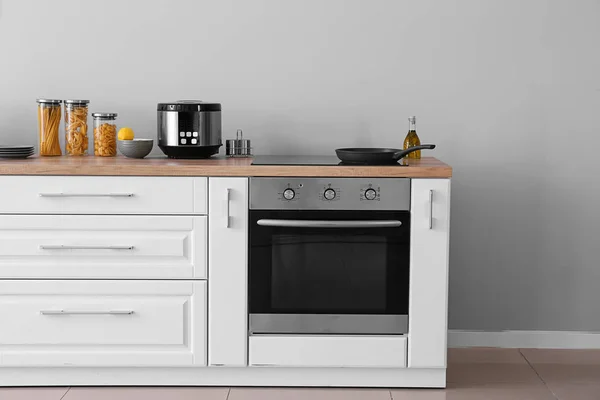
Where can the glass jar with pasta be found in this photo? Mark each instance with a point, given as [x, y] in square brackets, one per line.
[105, 134]
[76, 127]
[49, 112]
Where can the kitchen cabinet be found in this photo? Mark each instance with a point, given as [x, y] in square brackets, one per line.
[227, 272]
[328, 351]
[143, 280]
[102, 323]
[103, 195]
[92, 246]
[428, 301]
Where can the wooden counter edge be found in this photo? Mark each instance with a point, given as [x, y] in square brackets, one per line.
[427, 167]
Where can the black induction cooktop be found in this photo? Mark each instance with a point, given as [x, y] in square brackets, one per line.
[305, 160]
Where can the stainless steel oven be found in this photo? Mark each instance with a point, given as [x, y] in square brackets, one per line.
[329, 255]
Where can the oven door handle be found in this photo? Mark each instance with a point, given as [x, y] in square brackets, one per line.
[304, 223]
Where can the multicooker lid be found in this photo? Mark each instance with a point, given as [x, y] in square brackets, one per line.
[189, 106]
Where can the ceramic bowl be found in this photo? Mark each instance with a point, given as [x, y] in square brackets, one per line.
[136, 148]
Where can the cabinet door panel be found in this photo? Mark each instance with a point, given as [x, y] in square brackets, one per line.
[227, 271]
[103, 195]
[103, 247]
[328, 351]
[102, 323]
[428, 303]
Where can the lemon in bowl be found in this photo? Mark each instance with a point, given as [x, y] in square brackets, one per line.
[125, 133]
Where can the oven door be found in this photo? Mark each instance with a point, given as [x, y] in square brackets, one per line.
[339, 272]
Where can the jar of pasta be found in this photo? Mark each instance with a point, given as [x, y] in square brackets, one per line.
[49, 112]
[105, 134]
[76, 127]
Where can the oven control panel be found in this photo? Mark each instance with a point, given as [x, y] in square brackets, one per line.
[330, 193]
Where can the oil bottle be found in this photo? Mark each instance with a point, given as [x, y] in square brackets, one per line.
[412, 139]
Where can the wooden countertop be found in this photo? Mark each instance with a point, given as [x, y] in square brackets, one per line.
[427, 167]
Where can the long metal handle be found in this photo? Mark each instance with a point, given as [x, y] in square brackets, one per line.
[299, 223]
[403, 153]
[60, 194]
[227, 198]
[431, 209]
[86, 312]
[82, 247]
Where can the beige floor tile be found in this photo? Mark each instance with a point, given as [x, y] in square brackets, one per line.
[575, 391]
[497, 391]
[555, 356]
[569, 373]
[484, 355]
[485, 373]
[53, 393]
[307, 394]
[146, 393]
[419, 394]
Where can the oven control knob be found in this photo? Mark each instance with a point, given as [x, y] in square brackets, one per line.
[289, 194]
[370, 194]
[329, 194]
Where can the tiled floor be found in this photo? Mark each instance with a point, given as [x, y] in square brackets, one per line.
[478, 373]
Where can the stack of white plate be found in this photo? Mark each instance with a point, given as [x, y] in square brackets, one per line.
[15, 151]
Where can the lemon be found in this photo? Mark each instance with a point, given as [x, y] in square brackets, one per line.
[125, 133]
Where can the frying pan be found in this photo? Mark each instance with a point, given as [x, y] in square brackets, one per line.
[376, 156]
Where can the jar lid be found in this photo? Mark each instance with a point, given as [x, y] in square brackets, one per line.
[49, 101]
[104, 115]
[189, 105]
[77, 102]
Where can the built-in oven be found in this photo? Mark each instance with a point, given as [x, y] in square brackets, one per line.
[329, 255]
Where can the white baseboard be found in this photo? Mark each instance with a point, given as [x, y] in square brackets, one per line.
[224, 376]
[525, 339]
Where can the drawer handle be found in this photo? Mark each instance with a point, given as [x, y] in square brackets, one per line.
[82, 247]
[227, 201]
[86, 194]
[431, 209]
[84, 312]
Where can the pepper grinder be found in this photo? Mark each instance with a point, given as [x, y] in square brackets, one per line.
[238, 147]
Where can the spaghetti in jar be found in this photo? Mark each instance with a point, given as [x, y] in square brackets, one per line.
[76, 127]
[49, 111]
[105, 134]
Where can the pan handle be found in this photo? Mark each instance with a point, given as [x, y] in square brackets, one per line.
[402, 153]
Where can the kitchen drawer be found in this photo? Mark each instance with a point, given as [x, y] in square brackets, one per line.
[86, 246]
[328, 351]
[102, 323]
[102, 195]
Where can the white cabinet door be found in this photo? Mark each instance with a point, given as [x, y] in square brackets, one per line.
[428, 302]
[102, 323]
[103, 247]
[328, 351]
[227, 271]
[102, 195]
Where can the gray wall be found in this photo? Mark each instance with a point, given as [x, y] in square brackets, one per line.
[509, 90]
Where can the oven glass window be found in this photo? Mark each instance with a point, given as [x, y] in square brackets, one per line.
[324, 272]
[308, 270]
